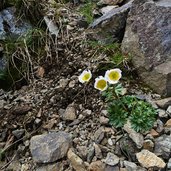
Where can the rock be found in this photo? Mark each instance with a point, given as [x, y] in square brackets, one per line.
[104, 120]
[154, 133]
[49, 147]
[2, 102]
[18, 133]
[14, 166]
[111, 159]
[148, 159]
[76, 162]
[136, 137]
[91, 153]
[163, 146]
[99, 135]
[109, 2]
[97, 166]
[98, 151]
[164, 103]
[50, 167]
[112, 168]
[159, 126]
[148, 145]
[162, 113]
[83, 151]
[11, 25]
[169, 110]
[148, 42]
[169, 164]
[108, 8]
[130, 166]
[112, 23]
[70, 113]
[168, 124]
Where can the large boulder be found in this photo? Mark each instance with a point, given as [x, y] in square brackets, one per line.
[148, 40]
[110, 27]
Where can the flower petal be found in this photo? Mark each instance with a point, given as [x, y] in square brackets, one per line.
[113, 75]
[100, 83]
[85, 76]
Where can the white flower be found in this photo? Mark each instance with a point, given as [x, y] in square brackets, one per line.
[100, 83]
[85, 76]
[113, 75]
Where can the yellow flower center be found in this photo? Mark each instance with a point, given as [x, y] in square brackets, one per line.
[86, 77]
[101, 84]
[113, 75]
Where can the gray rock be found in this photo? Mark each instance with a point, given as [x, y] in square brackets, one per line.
[112, 168]
[70, 113]
[18, 133]
[111, 159]
[112, 23]
[11, 24]
[163, 146]
[49, 147]
[169, 164]
[98, 151]
[168, 111]
[148, 40]
[162, 113]
[91, 153]
[2, 102]
[99, 135]
[50, 167]
[136, 137]
[130, 165]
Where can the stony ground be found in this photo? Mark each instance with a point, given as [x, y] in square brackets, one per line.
[75, 114]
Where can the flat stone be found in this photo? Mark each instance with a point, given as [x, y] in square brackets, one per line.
[163, 146]
[18, 133]
[70, 113]
[164, 103]
[50, 147]
[135, 136]
[108, 8]
[149, 41]
[76, 162]
[111, 159]
[148, 159]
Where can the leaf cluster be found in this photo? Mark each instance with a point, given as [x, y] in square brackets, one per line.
[140, 113]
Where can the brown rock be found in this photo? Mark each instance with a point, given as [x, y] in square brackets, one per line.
[70, 113]
[168, 123]
[164, 103]
[148, 159]
[76, 162]
[97, 166]
[148, 145]
[154, 133]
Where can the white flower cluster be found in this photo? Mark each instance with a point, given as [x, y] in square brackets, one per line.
[112, 76]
